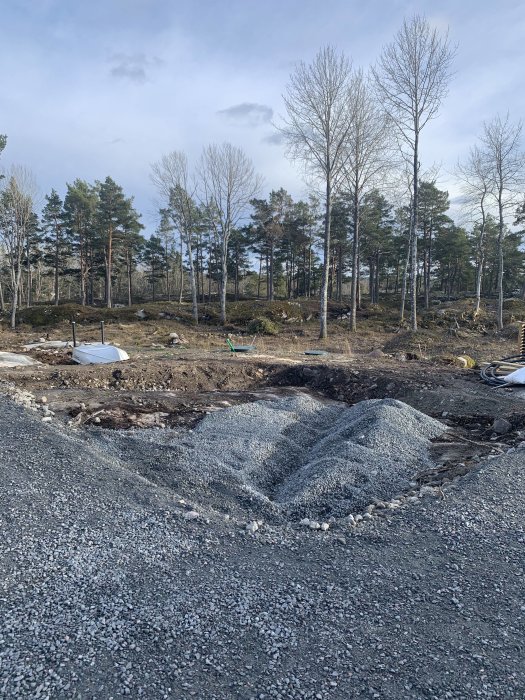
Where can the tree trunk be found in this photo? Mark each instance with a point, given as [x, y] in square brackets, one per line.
[355, 266]
[82, 279]
[193, 285]
[259, 277]
[404, 279]
[167, 264]
[16, 290]
[413, 310]
[270, 290]
[181, 277]
[376, 286]
[29, 278]
[500, 261]
[57, 265]
[323, 331]
[309, 287]
[109, 268]
[128, 264]
[224, 279]
[481, 264]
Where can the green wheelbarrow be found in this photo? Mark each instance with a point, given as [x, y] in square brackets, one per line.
[240, 348]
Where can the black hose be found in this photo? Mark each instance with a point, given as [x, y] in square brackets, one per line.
[489, 376]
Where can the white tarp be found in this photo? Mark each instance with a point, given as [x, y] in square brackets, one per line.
[97, 354]
[516, 377]
[51, 344]
[9, 359]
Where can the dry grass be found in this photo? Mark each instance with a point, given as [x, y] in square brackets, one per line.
[446, 331]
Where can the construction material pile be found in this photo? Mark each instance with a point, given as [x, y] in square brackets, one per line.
[293, 456]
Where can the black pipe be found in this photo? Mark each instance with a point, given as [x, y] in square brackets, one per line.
[102, 331]
[74, 327]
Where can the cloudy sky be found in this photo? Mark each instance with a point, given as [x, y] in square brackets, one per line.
[106, 87]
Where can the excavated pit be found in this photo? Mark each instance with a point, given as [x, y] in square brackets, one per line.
[151, 409]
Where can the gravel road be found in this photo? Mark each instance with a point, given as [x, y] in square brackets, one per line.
[111, 586]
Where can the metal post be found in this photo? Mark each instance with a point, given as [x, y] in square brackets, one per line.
[74, 328]
[102, 331]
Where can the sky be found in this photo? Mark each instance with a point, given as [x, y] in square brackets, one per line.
[107, 87]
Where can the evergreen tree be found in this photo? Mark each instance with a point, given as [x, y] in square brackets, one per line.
[113, 213]
[80, 204]
[376, 237]
[153, 258]
[131, 246]
[238, 258]
[56, 243]
[432, 205]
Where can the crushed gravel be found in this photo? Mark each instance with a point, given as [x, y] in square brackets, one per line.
[289, 457]
[109, 588]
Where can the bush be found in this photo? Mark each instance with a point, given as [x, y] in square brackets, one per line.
[262, 326]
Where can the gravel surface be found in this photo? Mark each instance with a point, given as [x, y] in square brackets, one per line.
[111, 586]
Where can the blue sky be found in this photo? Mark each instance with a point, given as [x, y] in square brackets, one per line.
[107, 87]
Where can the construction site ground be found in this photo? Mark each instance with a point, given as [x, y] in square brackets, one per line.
[175, 381]
[380, 360]
[177, 373]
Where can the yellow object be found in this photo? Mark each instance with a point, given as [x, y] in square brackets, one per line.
[465, 361]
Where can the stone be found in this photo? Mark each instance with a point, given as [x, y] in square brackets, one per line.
[191, 515]
[252, 527]
[501, 426]
[324, 527]
[314, 525]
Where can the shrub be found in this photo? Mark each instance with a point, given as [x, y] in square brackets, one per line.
[262, 326]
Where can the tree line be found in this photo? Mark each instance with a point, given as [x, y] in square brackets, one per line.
[374, 222]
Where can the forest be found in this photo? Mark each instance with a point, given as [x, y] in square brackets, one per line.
[373, 225]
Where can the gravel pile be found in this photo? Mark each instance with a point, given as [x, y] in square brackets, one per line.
[291, 456]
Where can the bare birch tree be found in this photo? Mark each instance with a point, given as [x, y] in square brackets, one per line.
[318, 103]
[368, 159]
[475, 177]
[411, 79]
[3, 141]
[171, 177]
[506, 161]
[228, 183]
[16, 216]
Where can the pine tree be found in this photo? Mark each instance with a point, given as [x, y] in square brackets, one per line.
[113, 213]
[56, 244]
[80, 204]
